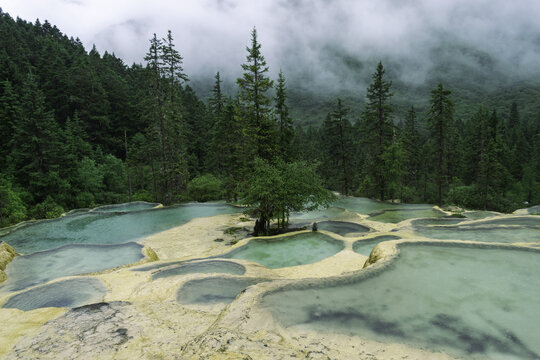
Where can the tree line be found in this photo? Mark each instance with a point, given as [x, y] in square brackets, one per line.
[486, 161]
[80, 129]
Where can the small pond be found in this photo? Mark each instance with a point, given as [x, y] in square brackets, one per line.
[343, 228]
[40, 267]
[368, 206]
[364, 247]
[300, 249]
[482, 234]
[67, 293]
[127, 207]
[203, 267]
[398, 215]
[108, 228]
[213, 290]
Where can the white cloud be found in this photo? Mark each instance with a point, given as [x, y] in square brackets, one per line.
[300, 35]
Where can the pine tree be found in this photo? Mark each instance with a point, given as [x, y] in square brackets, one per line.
[254, 84]
[337, 131]
[39, 151]
[10, 113]
[378, 128]
[410, 139]
[284, 121]
[440, 116]
[216, 102]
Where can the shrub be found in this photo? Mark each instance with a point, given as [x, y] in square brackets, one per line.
[204, 188]
[48, 209]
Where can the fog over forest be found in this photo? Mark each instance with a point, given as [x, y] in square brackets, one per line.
[319, 44]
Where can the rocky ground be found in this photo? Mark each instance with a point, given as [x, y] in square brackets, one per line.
[141, 319]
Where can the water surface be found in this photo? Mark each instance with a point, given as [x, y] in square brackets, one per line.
[214, 290]
[364, 247]
[108, 228]
[482, 234]
[203, 267]
[343, 228]
[40, 267]
[398, 215]
[68, 293]
[466, 300]
[300, 249]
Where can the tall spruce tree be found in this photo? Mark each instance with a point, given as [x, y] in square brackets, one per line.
[337, 142]
[255, 103]
[378, 129]
[284, 121]
[217, 100]
[440, 116]
[410, 139]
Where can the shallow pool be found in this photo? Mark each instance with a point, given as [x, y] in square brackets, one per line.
[343, 228]
[108, 228]
[203, 267]
[530, 221]
[465, 300]
[40, 267]
[301, 249]
[67, 293]
[482, 234]
[214, 290]
[364, 247]
[395, 216]
[368, 206]
[127, 207]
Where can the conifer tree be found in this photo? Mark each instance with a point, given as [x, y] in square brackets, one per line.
[378, 128]
[440, 116]
[10, 112]
[337, 131]
[410, 139]
[255, 104]
[216, 102]
[284, 121]
[39, 151]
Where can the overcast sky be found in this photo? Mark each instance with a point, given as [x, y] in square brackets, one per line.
[311, 36]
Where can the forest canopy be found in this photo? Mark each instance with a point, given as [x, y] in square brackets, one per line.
[80, 128]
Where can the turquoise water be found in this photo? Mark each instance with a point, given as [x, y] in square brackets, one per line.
[479, 214]
[68, 293]
[342, 228]
[107, 228]
[203, 267]
[367, 206]
[364, 247]
[40, 267]
[306, 248]
[395, 216]
[319, 214]
[483, 234]
[127, 207]
[214, 290]
[465, 300]
[437, 221]
[531, 221]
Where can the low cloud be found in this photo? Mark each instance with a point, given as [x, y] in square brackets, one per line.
[324, 43]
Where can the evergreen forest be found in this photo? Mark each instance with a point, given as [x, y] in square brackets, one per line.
[80, 129]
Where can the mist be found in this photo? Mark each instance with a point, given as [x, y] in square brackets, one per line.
[319, 44]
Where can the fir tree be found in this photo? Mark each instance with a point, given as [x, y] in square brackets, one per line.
[378, 128]
[440, 116]
[254, 85]
[284, 121]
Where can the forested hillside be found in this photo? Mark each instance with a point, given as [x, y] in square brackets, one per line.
[73, 122]
[82, 128]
